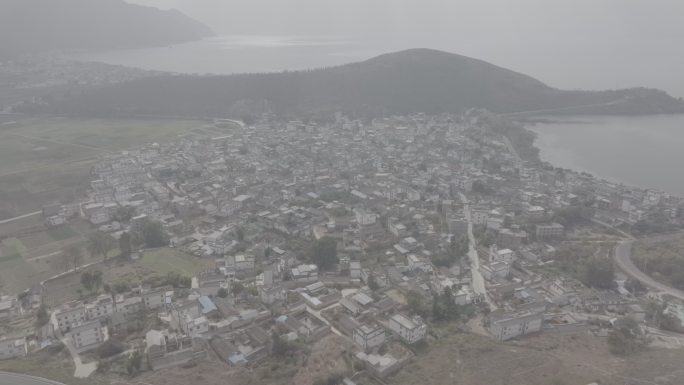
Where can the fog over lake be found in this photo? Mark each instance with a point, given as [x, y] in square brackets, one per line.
[644, 151]
[243, 54]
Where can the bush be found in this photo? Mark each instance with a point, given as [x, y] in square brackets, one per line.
[110, 348]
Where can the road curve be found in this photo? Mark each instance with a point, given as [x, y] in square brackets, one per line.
[623, 258]
[22, 379]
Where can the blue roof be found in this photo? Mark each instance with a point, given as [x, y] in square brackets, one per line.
[207, 304]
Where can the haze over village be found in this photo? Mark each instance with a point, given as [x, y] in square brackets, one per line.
[389, 221]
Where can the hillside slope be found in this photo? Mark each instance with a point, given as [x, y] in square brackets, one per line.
[67, 25]
[418, 80]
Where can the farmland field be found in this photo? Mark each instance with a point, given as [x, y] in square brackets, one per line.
[48, 159]
[153, 264]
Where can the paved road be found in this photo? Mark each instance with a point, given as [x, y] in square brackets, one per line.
[479, 286]
[623, 258]
[2, 222]
[21, 379]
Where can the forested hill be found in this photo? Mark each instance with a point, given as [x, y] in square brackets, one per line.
[417, 80]
[29, 26]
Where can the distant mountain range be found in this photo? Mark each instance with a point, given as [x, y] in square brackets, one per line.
[416, 80]
[29, 26]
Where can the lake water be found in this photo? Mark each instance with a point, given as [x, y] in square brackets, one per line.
[646, 152]
[242, 54]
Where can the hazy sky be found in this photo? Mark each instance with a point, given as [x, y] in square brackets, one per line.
[567, 43]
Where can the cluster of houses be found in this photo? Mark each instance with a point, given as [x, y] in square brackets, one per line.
[391, 194]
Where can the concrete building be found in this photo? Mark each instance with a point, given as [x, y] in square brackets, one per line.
[554, 230]
[369, 336]
[13, 348]
[88, 336]
[70, 314]
[157, 299]
[102, 307]
[410, 330]
[510, 326]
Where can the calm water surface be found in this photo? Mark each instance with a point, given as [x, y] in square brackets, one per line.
[242, 54]
[645, 151]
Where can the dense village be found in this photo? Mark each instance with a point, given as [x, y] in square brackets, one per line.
[376, 232]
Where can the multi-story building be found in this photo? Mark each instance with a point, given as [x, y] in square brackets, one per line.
[368, 336]
[411, 330]
[70, 314]
[88, 336]
[13, 348]
[102, 307]
[157, 298]
[554, 230]
[514, 325]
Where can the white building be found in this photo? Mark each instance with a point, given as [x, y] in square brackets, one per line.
[355, 270]
[243, 262]
[13, 348]
[102, 307]
[70, 314]
[553, 230]
[305, 273]
[479, 217]
[515, 325]
[368, 336]
[9, 307]
[194, 327]
[156, 299]
[501, 255]
[364, 218]
[410, 330]
[88, 336]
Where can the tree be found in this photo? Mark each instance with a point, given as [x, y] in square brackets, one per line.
[97, 280]
[236, 288]
[124, 214]
[626, 337]
[64, 261]
[222, 293]
[373, 282]
[178, 280]
[110, 348]
[444, 308]
[657, 313]
[154, 235]
[240, 234]
[42, 316]
[599, 273]
[458, 247]
[416, 304]
[91, 280]
[87, 280]
[280, 347]
[125, 245]
[134, 362]
[100, 244]
[635, 286]
[324, 253]
[74, 255]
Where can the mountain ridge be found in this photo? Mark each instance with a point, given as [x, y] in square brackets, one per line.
[34, 26]
[415, 80]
